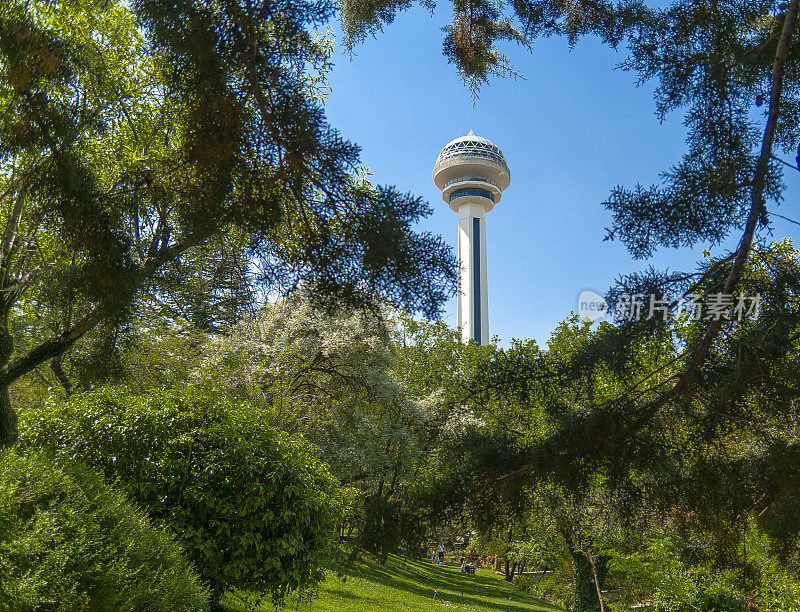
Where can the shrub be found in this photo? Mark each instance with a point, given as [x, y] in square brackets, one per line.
[522, 583]
[69, 542]
[254, 506]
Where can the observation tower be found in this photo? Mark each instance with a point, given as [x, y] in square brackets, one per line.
[472, 174]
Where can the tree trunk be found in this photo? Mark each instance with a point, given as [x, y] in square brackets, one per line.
[8, 418]
[56, 364]
[586, 598]
[508, 545]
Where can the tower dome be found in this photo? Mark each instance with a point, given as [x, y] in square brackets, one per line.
[471, 161]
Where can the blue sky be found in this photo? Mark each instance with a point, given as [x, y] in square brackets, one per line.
[571, 131]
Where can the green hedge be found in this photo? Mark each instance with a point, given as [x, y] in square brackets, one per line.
[254, 506]
[69, 542]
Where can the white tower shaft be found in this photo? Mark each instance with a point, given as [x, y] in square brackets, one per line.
[473, 301]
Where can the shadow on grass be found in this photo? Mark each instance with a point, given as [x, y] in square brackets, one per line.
[345, 594]
[421, 578]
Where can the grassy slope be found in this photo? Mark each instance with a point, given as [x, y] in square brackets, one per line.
[407, 586]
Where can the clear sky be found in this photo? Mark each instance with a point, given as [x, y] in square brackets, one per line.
[570, 131]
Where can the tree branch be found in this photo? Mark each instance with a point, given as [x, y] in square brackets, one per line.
[62, 341]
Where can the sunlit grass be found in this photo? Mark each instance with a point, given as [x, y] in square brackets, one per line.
[403, 585]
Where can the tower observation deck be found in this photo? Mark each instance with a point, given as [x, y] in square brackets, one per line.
[472, 173]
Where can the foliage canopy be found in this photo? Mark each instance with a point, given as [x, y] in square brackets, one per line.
[147, 143]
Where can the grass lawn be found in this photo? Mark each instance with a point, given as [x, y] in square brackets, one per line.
[407, 586]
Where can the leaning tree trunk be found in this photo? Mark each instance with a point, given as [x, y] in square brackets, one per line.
[587, 585]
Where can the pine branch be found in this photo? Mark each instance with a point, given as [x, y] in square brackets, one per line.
[756, 208]
[774, 214]
[785, 163]
[246, 28]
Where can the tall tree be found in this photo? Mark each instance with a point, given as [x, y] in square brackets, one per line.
[136, 135]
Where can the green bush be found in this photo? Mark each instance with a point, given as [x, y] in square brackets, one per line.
[69, 542]
[254, 506]
[522, 583]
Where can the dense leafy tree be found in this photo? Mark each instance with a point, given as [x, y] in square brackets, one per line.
[712, 465]
[613, 514]
[330, 375]
[176, 149]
